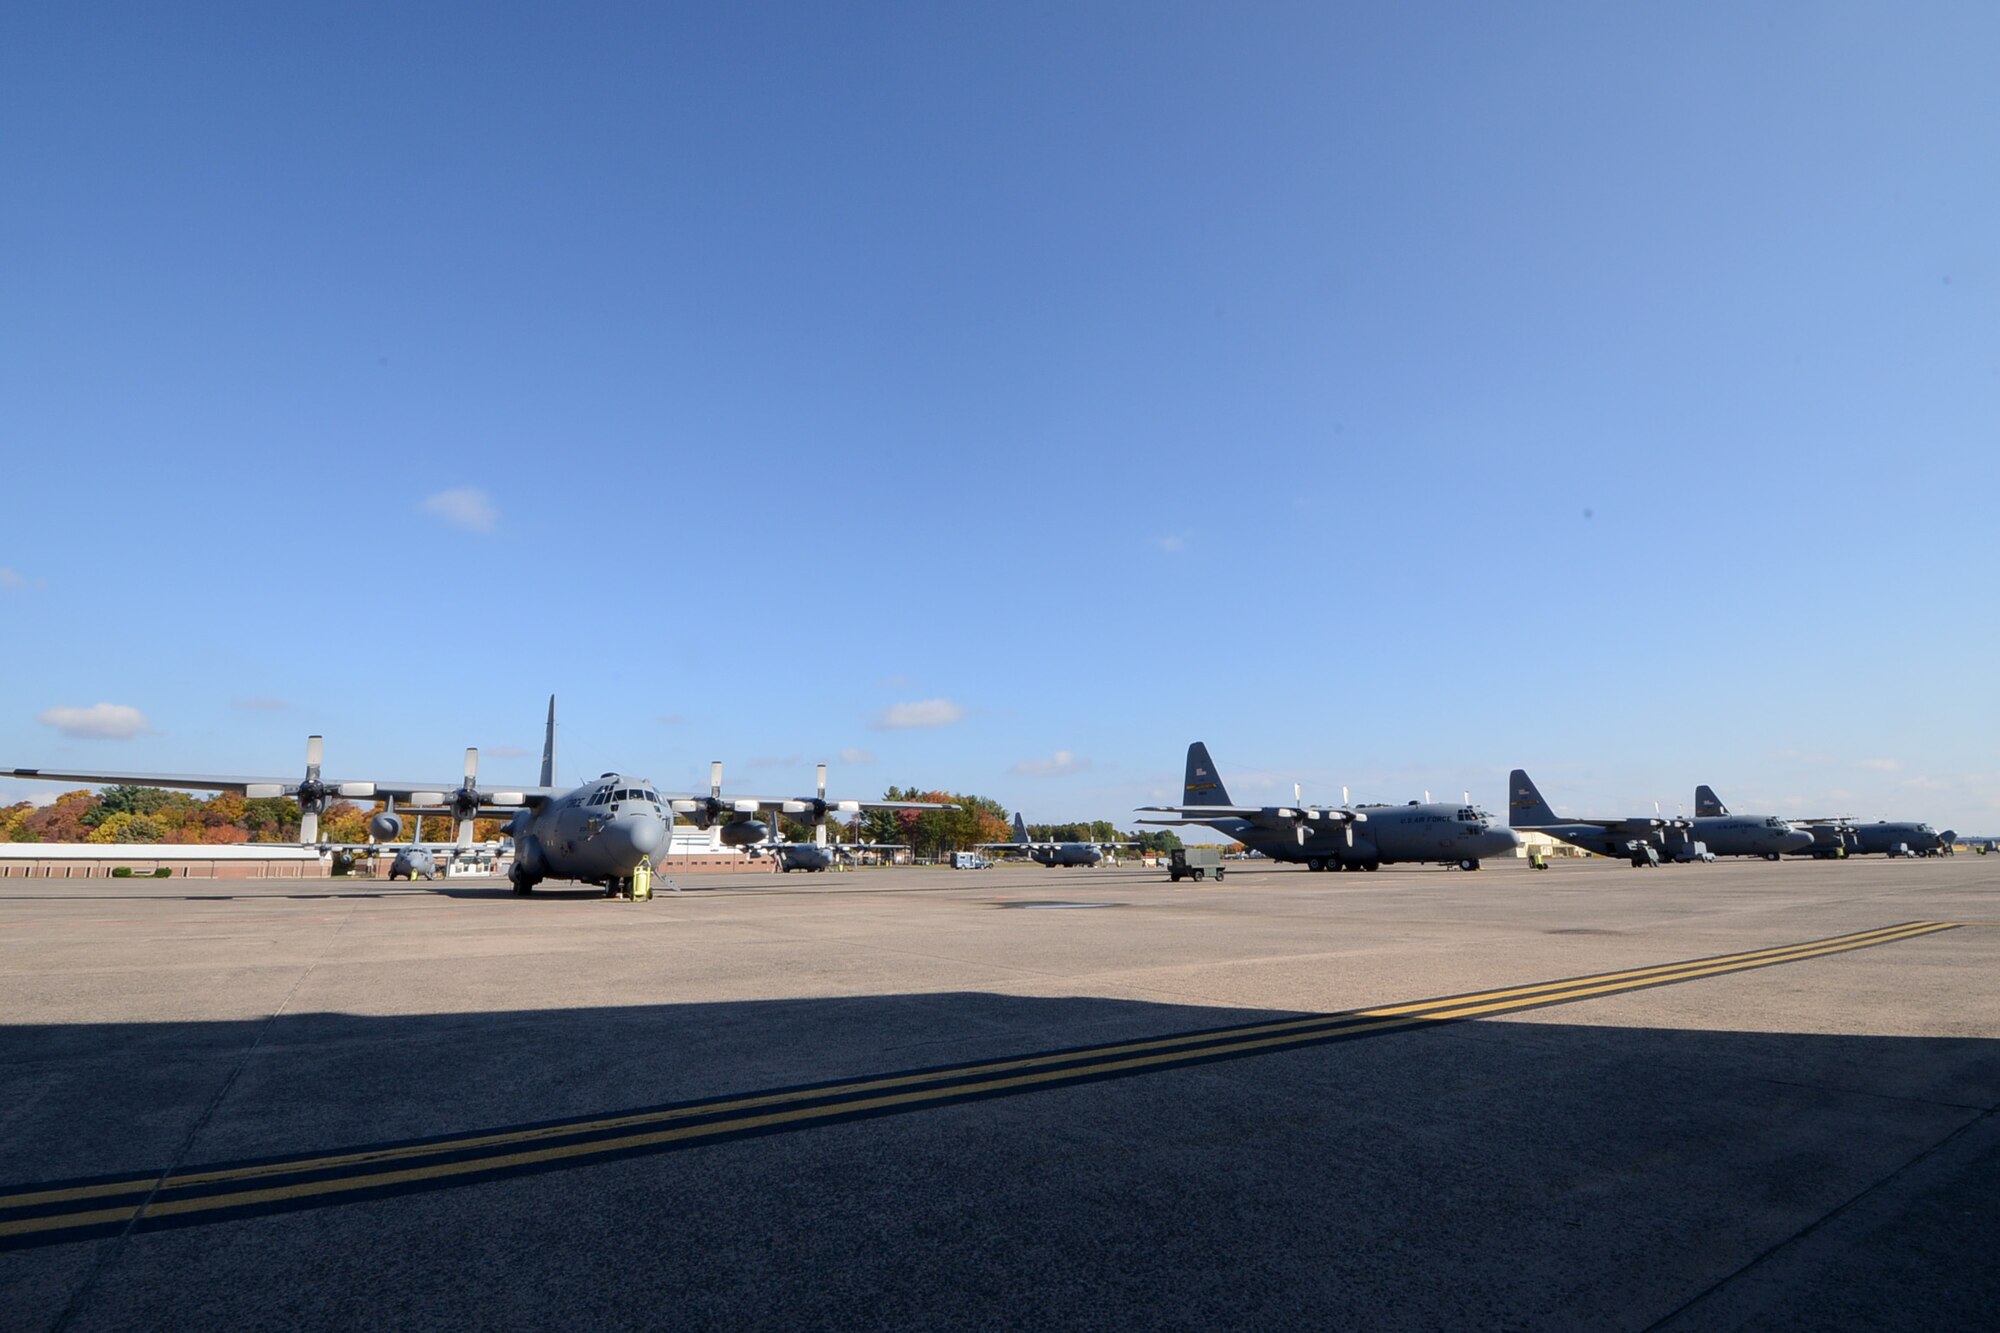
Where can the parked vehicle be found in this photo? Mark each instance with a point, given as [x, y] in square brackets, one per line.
[1194, 862]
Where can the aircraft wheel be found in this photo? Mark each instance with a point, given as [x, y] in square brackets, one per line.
[1772, 856]
[1314, 864]
[1470, 863]
[1371, 865]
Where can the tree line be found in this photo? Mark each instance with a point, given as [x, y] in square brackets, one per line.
[123, 814]
[149, 814]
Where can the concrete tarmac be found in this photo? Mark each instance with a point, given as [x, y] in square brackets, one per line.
[217, 1087]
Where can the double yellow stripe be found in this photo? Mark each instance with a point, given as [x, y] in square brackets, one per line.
[516, 1149]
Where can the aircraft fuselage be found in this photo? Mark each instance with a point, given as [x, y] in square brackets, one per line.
[1748, 835]
[1390, 833]
[1067, 854]
[596, 834]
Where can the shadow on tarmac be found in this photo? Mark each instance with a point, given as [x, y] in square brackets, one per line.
[1490, 1173]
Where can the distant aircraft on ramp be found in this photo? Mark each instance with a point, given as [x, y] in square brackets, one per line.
[1639, 838]
[1364, 837]
[1052, 854]
[1882, 838]
[1725, 834]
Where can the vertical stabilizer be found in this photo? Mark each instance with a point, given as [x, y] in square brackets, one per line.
[1203, 785]
[1707, 804]
[549, 747]
[1020, 829]
[1525, 806]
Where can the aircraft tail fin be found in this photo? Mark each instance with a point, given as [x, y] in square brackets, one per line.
[1525, 806]
[549, 747]
[1707, 804]
[1020, 828]
[1203, 785]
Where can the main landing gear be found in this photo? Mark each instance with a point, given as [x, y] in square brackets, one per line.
[1469, 863]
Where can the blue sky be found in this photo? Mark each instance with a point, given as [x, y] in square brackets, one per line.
[1387, 396]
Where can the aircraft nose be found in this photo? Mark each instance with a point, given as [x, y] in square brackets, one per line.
[643, 834]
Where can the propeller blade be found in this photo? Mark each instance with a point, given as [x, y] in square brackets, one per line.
[471, 765]
[506, 798]
[1343, 796]
[309, 827]
[356, 789]
[263, 791]
[715, 777]
[464, 833]
[315, 751]
[822, 783]
[426, 798]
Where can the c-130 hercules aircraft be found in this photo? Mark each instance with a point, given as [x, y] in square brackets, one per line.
[598, 833]
[1328, 838]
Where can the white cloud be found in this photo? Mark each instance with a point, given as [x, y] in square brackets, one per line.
[1881, 765]
[1059, 764]
[14, 578]
[99, 722]
[853, 756]
[1173, 544]
[465, 507]
[919, 713]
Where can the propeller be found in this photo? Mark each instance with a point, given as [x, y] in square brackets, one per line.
[704, 810]
[469, 800]
[312, 794]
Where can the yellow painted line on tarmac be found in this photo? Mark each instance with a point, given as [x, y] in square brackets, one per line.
[507, 1150]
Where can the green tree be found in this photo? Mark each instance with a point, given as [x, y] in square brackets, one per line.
[126, 826]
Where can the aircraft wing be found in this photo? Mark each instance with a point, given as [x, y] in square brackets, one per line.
[1633, 824]
[1276, 815]
[353, 789]
[799, 805]
[413, 792]
[175, 781]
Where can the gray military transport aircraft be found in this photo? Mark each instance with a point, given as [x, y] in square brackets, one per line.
[1052, 854]
[1639, 838]
[1725, 834]
[1364, 837]
[597, 833]
[1882, 838]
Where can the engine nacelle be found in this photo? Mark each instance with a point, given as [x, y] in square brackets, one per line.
[745, 832]
[385, 827]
